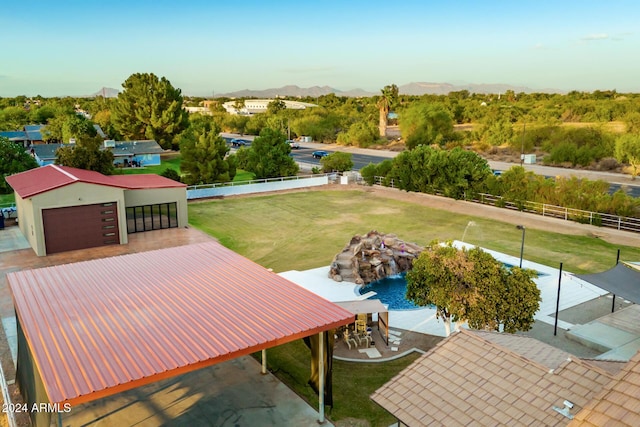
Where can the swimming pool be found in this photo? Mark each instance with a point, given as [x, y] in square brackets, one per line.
[392, 290]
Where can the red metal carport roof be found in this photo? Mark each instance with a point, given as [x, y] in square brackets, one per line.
[100, 327]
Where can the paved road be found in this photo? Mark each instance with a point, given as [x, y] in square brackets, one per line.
[362, 157]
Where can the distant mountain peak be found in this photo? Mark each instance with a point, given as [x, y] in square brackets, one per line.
[413, 88]
[107, 92]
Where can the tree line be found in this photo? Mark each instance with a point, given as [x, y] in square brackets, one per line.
[149, 107]
[459, 174]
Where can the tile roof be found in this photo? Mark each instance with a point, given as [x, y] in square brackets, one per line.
[39, 180]
[96, 328]
[618, 403]
[471, 378]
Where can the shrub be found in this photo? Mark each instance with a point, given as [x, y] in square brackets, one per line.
[171, 174]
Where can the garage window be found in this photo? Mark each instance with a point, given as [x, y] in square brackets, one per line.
[152, 217]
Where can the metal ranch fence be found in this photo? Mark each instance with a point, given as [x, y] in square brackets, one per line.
[568, 214]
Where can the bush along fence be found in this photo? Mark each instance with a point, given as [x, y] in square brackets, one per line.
[568, 214]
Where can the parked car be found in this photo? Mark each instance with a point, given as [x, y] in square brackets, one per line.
[319, 154]
[294, 144]
[237, 142]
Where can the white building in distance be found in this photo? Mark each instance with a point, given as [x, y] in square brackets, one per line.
[256, 106]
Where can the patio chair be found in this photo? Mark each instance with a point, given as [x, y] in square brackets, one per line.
[363, 334]
[349, 338]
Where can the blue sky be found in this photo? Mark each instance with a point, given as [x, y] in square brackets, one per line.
[71, 47]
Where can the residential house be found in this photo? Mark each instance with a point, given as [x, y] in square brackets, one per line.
[488, 379]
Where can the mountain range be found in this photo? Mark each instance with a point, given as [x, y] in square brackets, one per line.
[414, 88]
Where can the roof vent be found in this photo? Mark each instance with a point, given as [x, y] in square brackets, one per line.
[566, 411]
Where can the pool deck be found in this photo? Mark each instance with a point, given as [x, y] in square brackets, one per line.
[573, 291]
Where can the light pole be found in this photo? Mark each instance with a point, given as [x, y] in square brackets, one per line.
[524, 127]
[521, 227]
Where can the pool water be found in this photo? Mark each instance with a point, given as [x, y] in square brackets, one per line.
[391, 290]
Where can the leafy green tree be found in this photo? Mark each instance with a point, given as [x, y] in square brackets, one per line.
[425, 124]
[86, 153]
[472, 286]
[628, 151]
[632, 122]
[269, 157]
[204, 157]
[454, 173]
[65, 127]
[387, 100]
[13, 118]
[381, 169]
[42, 114]
[360, 134]
[337, 162]
[13, 159]
[276, 106]
[171, 174]
[149, 108]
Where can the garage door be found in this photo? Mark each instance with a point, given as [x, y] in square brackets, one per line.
[80, 227]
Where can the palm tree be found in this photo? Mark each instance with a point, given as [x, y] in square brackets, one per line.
[385, 103]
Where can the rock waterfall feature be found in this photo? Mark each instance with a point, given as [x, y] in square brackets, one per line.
[373, 256]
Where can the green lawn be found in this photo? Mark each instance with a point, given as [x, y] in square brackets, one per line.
[6, 199]
[299, 231]
[352, 382]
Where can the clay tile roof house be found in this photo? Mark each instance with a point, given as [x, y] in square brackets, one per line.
[62, 208]
[618, 403]
[489, 379]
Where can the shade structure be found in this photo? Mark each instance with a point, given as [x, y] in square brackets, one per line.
[370, 306]
[621, 280]
[92, 329]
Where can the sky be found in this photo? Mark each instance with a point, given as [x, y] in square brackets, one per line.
[209, 47]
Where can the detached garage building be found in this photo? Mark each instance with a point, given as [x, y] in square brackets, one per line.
[62, 208]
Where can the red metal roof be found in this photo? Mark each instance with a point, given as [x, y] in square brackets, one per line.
[50, 177]
[100, 327]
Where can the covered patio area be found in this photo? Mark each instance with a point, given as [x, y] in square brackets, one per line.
[95, 329]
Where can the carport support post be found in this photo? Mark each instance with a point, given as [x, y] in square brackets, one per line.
[321, 375]
[555, 326]
[264, 361]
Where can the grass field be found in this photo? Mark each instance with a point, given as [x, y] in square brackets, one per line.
[299, 231]
[7, 199]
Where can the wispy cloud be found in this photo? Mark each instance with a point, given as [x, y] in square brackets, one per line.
[591, 37]
[539, 46]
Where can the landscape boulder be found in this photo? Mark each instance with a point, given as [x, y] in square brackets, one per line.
[373, 256]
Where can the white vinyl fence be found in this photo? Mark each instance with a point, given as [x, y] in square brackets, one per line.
[255, 186]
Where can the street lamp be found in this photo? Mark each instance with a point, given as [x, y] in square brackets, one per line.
[521, 227]
[524, 127]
